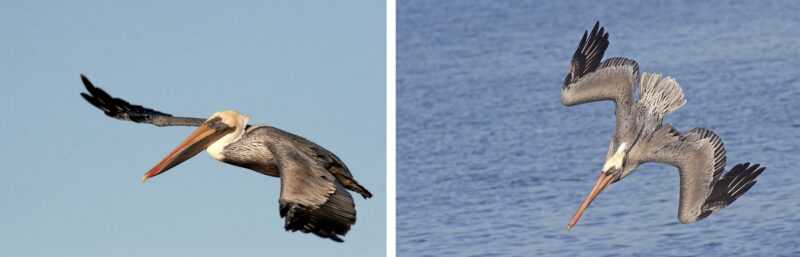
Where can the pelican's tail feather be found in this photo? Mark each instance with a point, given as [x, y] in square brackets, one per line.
[730, 187]
[660, 96]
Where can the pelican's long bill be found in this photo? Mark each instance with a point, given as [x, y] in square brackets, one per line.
[601, 184]
[209, 132]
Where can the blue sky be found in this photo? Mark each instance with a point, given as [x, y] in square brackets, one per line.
[70, 183]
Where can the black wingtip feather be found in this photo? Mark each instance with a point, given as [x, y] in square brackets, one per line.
[588, 54]
[93, 101]
[582, 43]
[116, 107]
[86, 81]
[122, 110]
[731, 186]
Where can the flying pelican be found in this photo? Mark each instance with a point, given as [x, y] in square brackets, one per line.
[313, 198]
[640, 137]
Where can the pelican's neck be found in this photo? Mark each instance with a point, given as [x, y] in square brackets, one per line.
[616, 159]
[217, 149]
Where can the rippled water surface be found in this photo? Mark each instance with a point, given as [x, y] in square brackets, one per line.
[489, 163]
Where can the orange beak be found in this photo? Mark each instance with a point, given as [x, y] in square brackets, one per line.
[601, 184]
[198, 141]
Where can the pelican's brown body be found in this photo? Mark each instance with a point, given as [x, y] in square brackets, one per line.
[251, 152]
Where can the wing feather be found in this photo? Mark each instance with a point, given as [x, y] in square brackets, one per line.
[312, 200]
[328, 160]
[588, 55]
[700, 158]
[590, 80]
[122, 110]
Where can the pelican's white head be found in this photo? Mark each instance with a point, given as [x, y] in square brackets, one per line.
[232, 119]
[616, 160]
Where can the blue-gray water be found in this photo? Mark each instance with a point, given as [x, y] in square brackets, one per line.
[489, 163]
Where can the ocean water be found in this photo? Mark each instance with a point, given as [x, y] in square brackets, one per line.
[489, 163]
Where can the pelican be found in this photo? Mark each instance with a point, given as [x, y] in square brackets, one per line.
[313, 198]
[640, 136]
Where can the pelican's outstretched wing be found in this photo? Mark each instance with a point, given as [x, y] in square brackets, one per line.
[312, 199]
[590, 80]
[700, 158]
[122, 110]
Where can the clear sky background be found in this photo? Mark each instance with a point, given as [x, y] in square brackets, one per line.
[70, 175]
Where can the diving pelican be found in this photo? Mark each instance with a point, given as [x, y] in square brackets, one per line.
[640, 137]
[313, 198]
